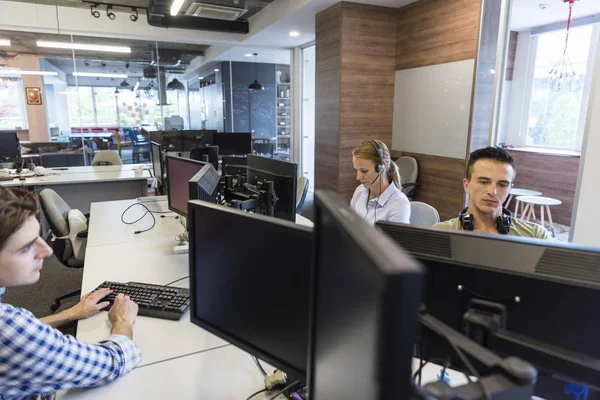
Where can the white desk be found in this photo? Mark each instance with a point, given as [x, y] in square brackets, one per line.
[97, 168]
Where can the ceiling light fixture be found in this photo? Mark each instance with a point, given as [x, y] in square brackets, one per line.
[83, 46]
[95, 13]
[4, 42]
[294, 33]
[175, 7]
[134, 14]
[200, 77]
[216, 69]
[111, 15]
[19, 72]
[100, 75]
[116, 91]
[248, 54]
[124, 84]
[255, 85]
[175, 85]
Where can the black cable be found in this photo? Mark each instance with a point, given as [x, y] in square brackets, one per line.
[472, 370]
[259, 365]
[288, 387]
[177, 280]
[257, 393]
[148, 211]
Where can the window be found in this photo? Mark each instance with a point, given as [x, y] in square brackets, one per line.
[556, 116]
[92, 106]
[12, 104]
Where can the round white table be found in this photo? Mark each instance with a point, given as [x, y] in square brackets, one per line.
[544, 203]
[520, 192]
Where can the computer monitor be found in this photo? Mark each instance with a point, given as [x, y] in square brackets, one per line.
[250, 282]
[234, 165]
[179, 172]
[185, 140]
[211, 152]
[205, 184]
[9, 146]
[157, 161]
[365, 295]
[284, 176]
[230, 143]
[538, 298]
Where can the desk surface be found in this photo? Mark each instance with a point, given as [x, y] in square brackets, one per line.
[97, 168]
[93, 175]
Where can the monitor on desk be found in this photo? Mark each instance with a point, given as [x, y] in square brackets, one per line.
[179, 172]
[185, 140]
[527, 298]
[205, 184]
[284, 176]
[157, 162]
[365, 295]
[10, 149]
[233, 143]
[249, 279]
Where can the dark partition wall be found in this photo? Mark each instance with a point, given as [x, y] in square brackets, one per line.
[246, 110]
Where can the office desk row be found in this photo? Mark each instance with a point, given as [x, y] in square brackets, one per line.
[180, 360]
[80, 186]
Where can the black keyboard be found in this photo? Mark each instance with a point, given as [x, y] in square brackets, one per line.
[155, 301]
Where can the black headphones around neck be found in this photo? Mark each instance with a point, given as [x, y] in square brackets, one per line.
[380, 167]
[503, 222]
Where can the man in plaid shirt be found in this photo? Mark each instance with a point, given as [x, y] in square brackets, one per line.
[35, 359]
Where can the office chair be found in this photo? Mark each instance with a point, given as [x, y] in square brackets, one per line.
[212, 152]
[141, 145]
[121, 144]
[262, 149]
[56, 212]
[409, 170]
[106, 157]
[423, 214]
[301, 191]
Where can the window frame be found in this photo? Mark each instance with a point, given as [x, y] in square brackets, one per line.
[94, 108]
[22, 102]
[587, 87]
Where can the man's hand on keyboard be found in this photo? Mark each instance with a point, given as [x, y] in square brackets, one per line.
[122, 315]
[89, 304]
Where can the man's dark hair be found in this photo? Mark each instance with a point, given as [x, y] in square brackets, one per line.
[497, 154]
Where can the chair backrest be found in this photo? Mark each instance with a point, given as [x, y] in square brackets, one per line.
[212, 152]
[301, 190]
[423, 214]
[56, 211]
[107, 157]
[409, 169]
[264, 148]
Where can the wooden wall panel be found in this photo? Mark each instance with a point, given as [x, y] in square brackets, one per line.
[434, 32]
[440, 182]
[553, 175]
[354, 88]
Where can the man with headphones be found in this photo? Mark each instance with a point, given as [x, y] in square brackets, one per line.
[489, 177]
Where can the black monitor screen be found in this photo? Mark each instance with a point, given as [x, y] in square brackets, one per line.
[250, 282]
[9, 145]
[233, 143]
[157, 161]
[179, 172]
[366, 291]
[205, 184]
[284, 176]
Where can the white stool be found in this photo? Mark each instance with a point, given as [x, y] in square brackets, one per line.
[544, 203]
[520, 192]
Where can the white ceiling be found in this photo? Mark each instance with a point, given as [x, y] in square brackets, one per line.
[527, 14]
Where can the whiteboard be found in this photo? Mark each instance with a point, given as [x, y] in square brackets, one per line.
[432, 108]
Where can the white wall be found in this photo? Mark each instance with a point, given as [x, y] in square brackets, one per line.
[586, 212]
[432, 107]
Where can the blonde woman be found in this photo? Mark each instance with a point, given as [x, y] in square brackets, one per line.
[379, 197]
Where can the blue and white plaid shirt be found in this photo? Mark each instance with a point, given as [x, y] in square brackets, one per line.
[37, 359]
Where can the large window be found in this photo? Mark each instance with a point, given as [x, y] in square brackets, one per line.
[12, 104]
[92, 106]
[557, 112]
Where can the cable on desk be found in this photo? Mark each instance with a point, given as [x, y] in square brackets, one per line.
[260, 367]
[148, 211]
[177, 280]
[285, 389]
[472, 370]
[257, 393]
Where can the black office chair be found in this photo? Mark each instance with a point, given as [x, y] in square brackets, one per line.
[212, 152]
[262, 149]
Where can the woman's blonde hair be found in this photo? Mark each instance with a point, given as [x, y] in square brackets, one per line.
[378, 152]
[16, 206]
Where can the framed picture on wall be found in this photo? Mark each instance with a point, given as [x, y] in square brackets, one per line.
[34, 96]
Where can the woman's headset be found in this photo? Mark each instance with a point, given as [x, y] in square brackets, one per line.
[503, 222]
[380, 167]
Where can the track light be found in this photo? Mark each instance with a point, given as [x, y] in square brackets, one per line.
[111, 15]
[134, 17]
[94, 12]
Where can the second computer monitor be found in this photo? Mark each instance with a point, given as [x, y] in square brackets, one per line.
[233, 143]
[366, 291]
[284, 176]
[250, 282]
[9, 146]
[157, 161]
[179, 172]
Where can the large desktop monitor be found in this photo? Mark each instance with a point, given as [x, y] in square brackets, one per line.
[179, 172]
[528, 298]
[233, 143]
[250, 281]
[365, 295]
[180, 141]
[157, 162]
[9, 146]
[284, 176]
